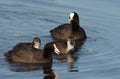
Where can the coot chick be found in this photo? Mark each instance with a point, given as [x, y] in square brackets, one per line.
[64, 31]
[29, 53]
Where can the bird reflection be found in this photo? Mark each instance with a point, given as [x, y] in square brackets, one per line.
[53, 75]
[71, 60]
[47, 69]
[25, 67]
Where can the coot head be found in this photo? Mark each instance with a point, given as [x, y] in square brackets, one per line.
[74, 17]
[36, 42]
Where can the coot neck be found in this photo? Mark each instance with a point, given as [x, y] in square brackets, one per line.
[47, 53]
[75, 25]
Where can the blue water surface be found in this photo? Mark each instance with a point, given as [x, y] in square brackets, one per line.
[99, 57]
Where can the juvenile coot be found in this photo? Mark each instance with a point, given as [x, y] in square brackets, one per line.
[29, 53]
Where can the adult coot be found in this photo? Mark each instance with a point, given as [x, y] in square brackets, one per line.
[72, 29]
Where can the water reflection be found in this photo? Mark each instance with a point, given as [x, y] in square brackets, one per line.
[47, 69]
[70, 61]
[53, 75]
[29, 67]
[71, 68]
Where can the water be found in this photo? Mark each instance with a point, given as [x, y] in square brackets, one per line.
[21, 20]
